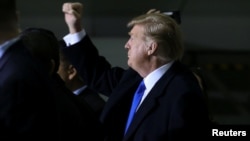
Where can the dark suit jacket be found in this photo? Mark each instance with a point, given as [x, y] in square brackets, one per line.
[34, 106]
[75, 118]
[92, 98]
[175, 107]
[27, 109]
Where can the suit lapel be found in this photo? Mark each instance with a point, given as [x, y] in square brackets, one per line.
[150, 101]
[125, 89]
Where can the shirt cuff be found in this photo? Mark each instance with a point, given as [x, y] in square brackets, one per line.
[72, 39]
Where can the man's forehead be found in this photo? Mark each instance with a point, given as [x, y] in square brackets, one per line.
[137, 29]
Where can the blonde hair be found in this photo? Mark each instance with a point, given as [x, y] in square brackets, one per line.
[164, 31]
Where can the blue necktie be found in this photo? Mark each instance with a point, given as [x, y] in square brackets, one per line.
[136, 100]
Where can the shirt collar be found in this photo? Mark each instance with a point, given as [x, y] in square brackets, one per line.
[151, 79]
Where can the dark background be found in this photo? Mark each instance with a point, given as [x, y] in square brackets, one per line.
[216, 36]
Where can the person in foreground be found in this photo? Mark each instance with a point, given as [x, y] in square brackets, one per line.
[172, 105]
[76, 84]
[27, 110]
[75, 118]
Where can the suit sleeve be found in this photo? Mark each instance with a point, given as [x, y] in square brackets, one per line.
[95, 70]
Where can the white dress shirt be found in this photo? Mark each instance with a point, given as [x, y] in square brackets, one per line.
[151, 79]
[72, 39]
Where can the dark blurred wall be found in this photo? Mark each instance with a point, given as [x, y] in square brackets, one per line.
[207, 25]
[222, 24]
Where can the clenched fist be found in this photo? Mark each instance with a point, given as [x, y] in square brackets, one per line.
[72, 15]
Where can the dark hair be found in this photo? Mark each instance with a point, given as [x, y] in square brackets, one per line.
[63, 57]
[43, 45]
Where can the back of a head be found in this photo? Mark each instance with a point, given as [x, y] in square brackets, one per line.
[7, 13]
[165, 31]
[64, 66]
[68, 72]
[63, 58]
[43, 45]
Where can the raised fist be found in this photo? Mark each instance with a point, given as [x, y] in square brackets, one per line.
[72, 15]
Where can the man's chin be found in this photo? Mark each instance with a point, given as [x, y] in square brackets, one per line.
[129, 63]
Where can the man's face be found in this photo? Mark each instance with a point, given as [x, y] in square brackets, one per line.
[137, 47]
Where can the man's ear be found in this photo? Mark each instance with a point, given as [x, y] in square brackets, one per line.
[152, 48]
[72, 72]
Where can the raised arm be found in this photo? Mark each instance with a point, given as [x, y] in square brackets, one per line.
[73, 16]
[95, 70]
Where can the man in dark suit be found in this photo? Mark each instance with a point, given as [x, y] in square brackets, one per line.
[26, 101]
[172, 106]
[76, 84]
[76, 120]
